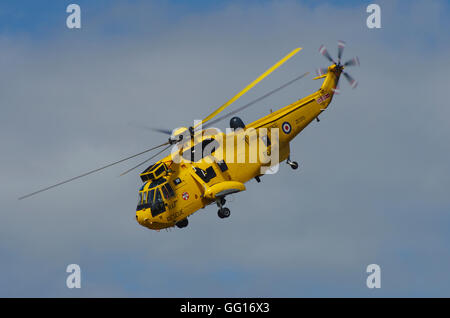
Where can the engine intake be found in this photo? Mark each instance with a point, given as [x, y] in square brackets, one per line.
[236, 123]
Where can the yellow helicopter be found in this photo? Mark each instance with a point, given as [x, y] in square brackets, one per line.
[206, 165]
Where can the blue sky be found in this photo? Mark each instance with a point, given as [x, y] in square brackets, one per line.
[43, 16]
[372, 188]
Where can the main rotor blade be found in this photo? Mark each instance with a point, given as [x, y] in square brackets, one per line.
[158, 153]
[90, 172]
[250, 86]
[256, 100]
[155, 129]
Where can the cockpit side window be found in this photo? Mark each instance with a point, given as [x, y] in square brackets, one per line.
[145, 200]
[144, 197]
[158, 206]
[165, 192]
[170, 190]
[206, 175]
[151, 193]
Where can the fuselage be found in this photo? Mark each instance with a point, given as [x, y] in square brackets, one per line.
[186, 184]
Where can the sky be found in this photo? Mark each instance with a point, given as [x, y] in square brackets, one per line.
[372, 187]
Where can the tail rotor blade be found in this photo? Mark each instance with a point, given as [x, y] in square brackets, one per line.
[324, 52]
[341, 46]
[352, 62]
[351, 80]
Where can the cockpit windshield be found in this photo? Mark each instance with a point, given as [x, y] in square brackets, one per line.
[151, 195]
[155, 196]
[158, 206]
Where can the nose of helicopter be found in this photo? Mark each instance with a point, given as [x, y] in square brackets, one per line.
[144, 218]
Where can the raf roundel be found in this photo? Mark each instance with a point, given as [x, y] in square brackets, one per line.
[286, 127]
[185, 196]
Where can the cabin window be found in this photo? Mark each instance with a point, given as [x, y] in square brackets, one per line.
[201, 173]
[222, 165]
[144, 197]
[206, 175]
[210, 173]
[140, 198]
[170, 190]
[158, 206]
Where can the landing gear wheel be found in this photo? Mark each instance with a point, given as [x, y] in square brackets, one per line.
[223, 213]
[182, 223]
[293, 164]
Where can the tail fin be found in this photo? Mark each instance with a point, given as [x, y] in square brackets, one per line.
[331, 78]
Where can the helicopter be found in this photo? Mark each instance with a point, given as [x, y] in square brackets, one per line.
[206, 165]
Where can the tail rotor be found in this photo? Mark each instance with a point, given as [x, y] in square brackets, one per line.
[341, 46]
[352, 62]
